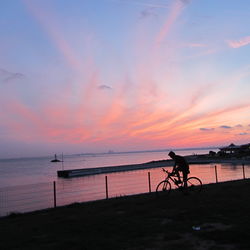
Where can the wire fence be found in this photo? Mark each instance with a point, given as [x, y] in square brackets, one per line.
[26, 198]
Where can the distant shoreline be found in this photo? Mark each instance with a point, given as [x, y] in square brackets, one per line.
[109, 153]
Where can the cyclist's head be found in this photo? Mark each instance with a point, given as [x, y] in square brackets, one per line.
[171, 154]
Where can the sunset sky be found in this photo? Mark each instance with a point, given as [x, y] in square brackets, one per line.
[96, 75]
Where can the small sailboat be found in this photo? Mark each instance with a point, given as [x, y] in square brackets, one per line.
[55, 160]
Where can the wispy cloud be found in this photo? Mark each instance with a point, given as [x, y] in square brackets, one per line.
[148, 12]
[225, 127]
[175, 11]
[239, 43]
[139, 106]
[201, 54]
[206, 129]
[104, 87]
[243, 133]
[6, 76]
[50, 25]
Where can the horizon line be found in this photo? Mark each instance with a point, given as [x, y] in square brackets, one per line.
[113, 152]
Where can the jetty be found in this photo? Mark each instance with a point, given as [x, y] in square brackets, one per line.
[111, 169]
[231, 154]
[192, 159]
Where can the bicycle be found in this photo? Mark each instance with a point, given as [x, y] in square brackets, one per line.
[194, 184]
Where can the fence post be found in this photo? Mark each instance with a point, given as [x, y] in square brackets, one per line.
[216, 176]
[243, 169]
[106, 184]
[149, 182]
[54, 185]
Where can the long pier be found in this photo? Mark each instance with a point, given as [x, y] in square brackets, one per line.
[153, 164]
[111, 169]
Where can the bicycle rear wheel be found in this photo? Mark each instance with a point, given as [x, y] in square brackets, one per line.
[163, 188]
[194, 184]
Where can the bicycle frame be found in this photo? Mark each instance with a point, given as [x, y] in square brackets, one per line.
[171, 177]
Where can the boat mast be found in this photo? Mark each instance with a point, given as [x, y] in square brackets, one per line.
[62, 162]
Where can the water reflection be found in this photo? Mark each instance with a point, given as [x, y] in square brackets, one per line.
[80, 189]
[133, 182]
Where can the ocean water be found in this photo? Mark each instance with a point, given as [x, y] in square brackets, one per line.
[34, 170]
[31, 184]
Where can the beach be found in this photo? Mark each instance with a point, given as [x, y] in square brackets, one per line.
[216, 218]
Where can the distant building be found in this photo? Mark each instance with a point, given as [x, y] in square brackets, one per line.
[233, 149]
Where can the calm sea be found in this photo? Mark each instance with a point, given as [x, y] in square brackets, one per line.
[34, 170]
[31, 184]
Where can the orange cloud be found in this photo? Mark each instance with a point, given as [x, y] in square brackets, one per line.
[143, 108]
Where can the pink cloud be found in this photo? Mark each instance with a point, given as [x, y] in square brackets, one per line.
[201, 54]
[47, 21]
[173, 15]
[239, 43]
[137, 110]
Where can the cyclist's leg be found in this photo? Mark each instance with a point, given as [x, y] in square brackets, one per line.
[185, 176]
[177, 173]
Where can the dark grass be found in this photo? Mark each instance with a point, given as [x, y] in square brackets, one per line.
[222, 211]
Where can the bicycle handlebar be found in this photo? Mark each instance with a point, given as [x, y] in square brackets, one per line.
[168, 172]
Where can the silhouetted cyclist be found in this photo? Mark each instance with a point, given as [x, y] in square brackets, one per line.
[180, 165]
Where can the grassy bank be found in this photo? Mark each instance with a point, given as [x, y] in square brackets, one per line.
[220, 211]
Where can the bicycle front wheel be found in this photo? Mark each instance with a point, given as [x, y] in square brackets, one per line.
[194, 184]
[163, 188]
